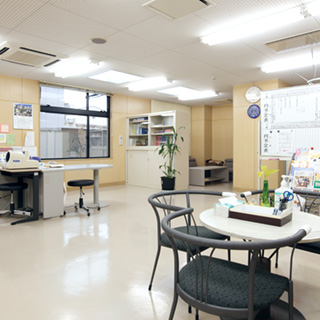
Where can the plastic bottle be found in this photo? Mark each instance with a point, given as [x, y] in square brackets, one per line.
[278, 193]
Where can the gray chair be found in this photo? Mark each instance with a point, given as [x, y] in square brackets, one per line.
[225, 288]
[162, 204]
[81, 183]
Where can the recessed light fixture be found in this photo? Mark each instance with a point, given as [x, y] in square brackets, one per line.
[254, 27]
[98, 40]
[148, 84]
[290, 63]
[183, 93]
[74, 67]
[116, 77]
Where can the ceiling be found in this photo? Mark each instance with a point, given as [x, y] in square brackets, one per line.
[144, 42]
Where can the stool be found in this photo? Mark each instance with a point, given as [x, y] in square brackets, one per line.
[13, 187]
[81, 183]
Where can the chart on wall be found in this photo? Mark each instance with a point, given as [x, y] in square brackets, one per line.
[290, 120]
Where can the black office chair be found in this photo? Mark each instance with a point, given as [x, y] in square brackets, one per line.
[15, 186]
[225, 288]
[81, 183]
[162, 204]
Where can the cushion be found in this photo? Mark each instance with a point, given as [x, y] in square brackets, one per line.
[228, 283]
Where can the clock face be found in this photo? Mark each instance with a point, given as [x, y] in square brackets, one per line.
[253, 94]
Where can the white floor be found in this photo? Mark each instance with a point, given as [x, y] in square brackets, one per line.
[99, 267]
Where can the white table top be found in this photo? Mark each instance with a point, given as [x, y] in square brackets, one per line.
[79, 167]
[258, 231]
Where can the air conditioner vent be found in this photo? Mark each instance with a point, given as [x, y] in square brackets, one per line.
[3, 50]
[28, 56]
[298, 41]
[178, 8]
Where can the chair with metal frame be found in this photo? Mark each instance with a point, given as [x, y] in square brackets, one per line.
[162, 204]
[225, 288]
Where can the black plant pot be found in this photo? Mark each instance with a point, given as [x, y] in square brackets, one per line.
[167, 183]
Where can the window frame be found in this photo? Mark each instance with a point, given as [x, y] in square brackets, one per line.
[80, 112]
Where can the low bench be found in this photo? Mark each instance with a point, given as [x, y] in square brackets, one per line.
[199, 176]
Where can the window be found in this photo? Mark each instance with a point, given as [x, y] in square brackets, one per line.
[74, 123]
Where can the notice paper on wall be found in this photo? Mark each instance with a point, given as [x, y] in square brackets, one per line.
[22, 116]
[29, 139]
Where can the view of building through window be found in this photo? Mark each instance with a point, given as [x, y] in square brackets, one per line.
[74, 123]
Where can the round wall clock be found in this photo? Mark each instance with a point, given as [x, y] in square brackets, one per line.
[253, 111]
[253, 94]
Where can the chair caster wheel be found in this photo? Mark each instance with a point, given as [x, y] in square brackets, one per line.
[64, 213]
[99, 208]
[88, 214]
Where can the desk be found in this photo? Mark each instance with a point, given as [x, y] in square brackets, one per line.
[258, 231]
[50, 211]
[40, 184]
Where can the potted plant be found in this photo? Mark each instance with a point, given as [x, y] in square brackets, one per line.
[265, 201]
[168, 150]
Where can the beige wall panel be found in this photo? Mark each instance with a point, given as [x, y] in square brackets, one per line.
[222, 141]
[197, 144]
[208, 138]
[10, 88]
[138, 105]
[222, 112]
[119, 104]
[197, 113]
[159, 106]
[30, 91]
[208, 113]
[244, 151]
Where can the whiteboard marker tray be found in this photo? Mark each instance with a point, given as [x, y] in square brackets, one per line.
[260, 215]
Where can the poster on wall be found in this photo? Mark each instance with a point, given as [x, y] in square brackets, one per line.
[22, 116]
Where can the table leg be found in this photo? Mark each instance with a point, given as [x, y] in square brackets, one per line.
[96, 203]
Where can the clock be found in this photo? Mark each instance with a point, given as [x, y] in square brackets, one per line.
[253, 111]
[253, 94]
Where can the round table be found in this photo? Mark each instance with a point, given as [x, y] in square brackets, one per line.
[257, 231]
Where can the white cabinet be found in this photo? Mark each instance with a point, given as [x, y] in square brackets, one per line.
[144, 134]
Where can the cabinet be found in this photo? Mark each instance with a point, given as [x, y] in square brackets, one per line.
[144, 134]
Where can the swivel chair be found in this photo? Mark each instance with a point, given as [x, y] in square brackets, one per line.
[15, 186]
[81, 183]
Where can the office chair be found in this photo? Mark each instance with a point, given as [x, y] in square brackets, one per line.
[81, 183]
[15, 186]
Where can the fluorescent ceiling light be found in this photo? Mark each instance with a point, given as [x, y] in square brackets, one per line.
[74, 67]
[115, 77]
[289, 64]
[183, 93]
[254, 27]
[147, 84]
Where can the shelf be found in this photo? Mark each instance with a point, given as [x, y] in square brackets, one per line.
[138, 135]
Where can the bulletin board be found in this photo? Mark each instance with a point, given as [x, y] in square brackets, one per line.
[290, 120]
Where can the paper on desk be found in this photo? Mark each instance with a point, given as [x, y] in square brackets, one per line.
[230, 202]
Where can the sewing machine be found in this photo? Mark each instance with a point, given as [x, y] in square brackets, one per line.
[19, 160]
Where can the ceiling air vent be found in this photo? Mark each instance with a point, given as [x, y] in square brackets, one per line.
[298, 41]
[13, 53]
[178, 8]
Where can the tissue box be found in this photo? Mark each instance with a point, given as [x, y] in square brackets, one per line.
[260, 214]
[220, 210]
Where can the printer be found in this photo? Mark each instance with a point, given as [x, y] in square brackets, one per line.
[19, 160]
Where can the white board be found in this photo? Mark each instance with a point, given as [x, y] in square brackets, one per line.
[290, 120]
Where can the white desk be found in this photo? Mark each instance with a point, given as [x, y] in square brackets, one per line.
[198, 175]
[51, 182]
[258, 231]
